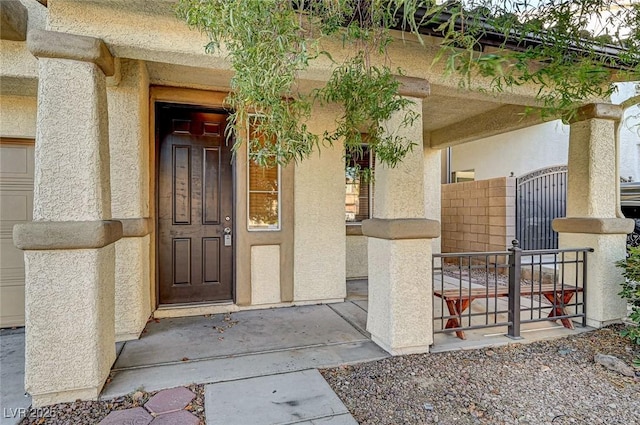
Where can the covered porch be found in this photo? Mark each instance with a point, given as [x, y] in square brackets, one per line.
[228, 347]
[231, 346]
[93, 259]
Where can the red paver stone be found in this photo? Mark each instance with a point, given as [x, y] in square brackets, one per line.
[167, 401]
[137, 416]
[181, 417]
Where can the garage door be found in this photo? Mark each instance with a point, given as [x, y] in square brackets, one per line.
[16, 206]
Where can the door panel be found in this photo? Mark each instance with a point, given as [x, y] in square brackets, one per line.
[195, 206]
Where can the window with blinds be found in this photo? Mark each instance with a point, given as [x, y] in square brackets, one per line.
[359, 186]
[264, 190]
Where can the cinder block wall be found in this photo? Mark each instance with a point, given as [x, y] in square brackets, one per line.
[479, 215]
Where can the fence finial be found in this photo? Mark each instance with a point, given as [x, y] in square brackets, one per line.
[515, 243]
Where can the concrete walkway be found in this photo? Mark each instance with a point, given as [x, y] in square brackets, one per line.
[247, 344]
[292, 398]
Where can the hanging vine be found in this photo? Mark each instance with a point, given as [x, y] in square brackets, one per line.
[570, 50]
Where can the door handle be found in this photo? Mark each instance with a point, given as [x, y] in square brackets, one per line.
[227, 236]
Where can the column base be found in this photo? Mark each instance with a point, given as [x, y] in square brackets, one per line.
[400, 351]
[603, 304]
[399, 315]
[597, 324]
[69, 338]
[131, 336]
[47, 399]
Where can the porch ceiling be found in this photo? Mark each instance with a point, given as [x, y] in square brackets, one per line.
[440, 111]
[474, 124]
[450, 116]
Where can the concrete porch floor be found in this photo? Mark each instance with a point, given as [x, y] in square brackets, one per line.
[228, 347]
[246, 344]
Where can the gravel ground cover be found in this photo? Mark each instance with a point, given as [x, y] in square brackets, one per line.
[92, 412]
[551, 382]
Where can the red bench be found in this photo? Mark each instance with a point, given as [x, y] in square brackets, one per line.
[458, 301]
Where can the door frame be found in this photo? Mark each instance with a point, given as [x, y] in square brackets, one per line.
[202, 99]
[244, 240]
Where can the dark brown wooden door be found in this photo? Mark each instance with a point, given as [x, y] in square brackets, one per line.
[195, 206]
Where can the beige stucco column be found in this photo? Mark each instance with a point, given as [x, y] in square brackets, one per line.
[592, 209]
[129, 152]
[69, 248]
[400, 247]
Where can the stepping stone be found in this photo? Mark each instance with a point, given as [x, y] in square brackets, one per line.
[181, 417]
[137, 416]
[299, 397]
[167, 401]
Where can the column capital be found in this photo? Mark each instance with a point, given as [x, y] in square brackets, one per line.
[135, 227]
[595, 226]
[603, 111]
[66, 235]
[401, 228]
[413, 87]
[57, 45]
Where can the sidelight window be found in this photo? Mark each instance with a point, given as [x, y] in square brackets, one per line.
[264, 186]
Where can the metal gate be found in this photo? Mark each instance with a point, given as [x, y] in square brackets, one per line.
[541, 196]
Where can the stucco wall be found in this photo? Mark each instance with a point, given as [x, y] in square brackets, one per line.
[478, 215]
[545, 145]
[18, 117]
[37, 14]
[319, 247]
[132, 287]
[128, 102]
[399, 312]
[265, 274]
[147, 30]
[356, 256]
[129, 141]
[518, 151]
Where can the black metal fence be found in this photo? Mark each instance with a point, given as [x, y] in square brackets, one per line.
[507, 288]
[541, 196]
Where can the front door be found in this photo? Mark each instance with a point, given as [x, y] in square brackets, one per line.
[195, 206]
